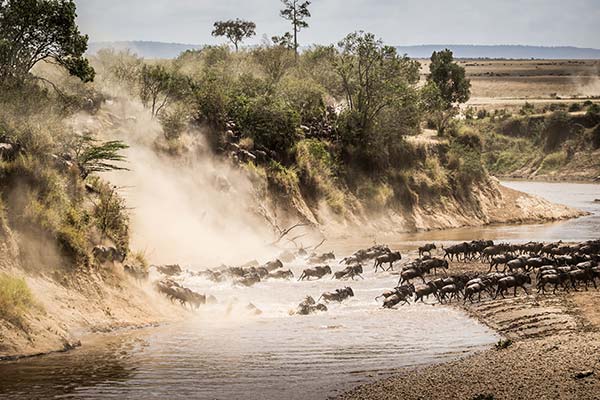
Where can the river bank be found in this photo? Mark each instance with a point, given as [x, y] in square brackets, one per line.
[554, 339]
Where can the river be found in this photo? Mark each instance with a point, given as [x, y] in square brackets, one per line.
[224, 352]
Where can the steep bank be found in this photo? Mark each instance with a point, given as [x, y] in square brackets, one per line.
[64, 307]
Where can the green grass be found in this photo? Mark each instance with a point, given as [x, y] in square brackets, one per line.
[15, 299]
[553, 161]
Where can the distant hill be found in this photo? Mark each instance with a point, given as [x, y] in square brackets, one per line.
[171, 50]
[145, 49]
[502, 51]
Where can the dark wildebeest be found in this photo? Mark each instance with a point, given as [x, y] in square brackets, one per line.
[394, 299]
[454, 290]
[309, 305]
[425, 291]
[104, 254]
[552, 277]
[273, 265]
[434, 264]
[411, 273]
[281, 274]
[317, 272]
[500, 259]
[169, 270]
[249, 279]
[585, 275]
[390, 258]
[404, 290]
[515, 281]
[476, 288]
[339, 295]
[349, 272]
[426, 248]
[322, 258]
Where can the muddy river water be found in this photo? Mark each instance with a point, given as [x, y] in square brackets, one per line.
[224, 352]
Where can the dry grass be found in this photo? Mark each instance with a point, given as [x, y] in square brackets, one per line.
[15, 299]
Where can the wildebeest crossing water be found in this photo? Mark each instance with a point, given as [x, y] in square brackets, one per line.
[227, 351]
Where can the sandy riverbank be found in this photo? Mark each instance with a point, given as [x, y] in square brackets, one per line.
[555, 337]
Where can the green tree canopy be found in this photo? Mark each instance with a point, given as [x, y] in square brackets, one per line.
[295, 12]
[449, 77]
[41, 30]
[374, 77]
[234, 30]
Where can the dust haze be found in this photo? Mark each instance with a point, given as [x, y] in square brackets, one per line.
[195, 210]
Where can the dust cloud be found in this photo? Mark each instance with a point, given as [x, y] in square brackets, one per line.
[195, 209]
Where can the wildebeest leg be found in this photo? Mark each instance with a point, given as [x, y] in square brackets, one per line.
[515, 291]
[422, 278]
[525, 289]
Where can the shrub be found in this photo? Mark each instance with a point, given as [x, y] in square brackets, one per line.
[553, 161]
[174, 123]
[574, 107]
[503, 344]
[596, 137]
[15, 299]
[271, 125]
[556, 130]
[110, 215]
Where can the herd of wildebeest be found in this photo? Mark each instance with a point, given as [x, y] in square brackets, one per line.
[511, 266]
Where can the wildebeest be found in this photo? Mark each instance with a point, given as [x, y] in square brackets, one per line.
[434, 264]
[169, 270]
[426, 290]
[249, 279]
[138, 272]
[337, 295]
[104, 254]
[309, 305]
[553, 277]
[453, 289]
[273, 265]
[404, 290]
[281, 274]
[515, 281]
[585, 275]
[411, 273]
[322, 258]
[390, 258]
[394, 299]
[349, 272]
[475, 288]
[426, 248]
[317, 272]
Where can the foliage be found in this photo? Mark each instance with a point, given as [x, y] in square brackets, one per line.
[596, 137]
[274, 61]
[159, 87]
[556, 129]
[110, 214]
[374, 78]
[15, 299]
[553, 161]
[296, 13]
[234, 30]
[503, 344]
[37, 30]
[446, 87]
[92, 156]
[271, 124]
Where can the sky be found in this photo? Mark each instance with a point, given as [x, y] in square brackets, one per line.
[397, 22]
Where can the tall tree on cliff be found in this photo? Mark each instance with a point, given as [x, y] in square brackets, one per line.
[447, 87]
[296, 13]
[41, 30]
[234, 30]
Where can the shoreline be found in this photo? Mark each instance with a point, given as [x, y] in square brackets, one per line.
[554, 338]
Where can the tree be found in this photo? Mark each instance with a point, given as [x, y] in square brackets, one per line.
[296, 13]
[285, 41]
[159, 87]
[91, 156]
[374, 77]
[451, 86]
[41, 30]
[234, 30]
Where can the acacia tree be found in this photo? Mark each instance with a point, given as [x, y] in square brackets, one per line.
[41, 30]
[92, 156]
[447, 87]
[159, 87]
[374, 78]
[296, 13]
[234, 30]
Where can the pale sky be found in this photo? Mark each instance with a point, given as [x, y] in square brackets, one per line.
[398, 22]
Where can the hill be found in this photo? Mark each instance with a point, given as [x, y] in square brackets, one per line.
[172, 50]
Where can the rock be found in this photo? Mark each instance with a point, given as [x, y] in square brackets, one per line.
[583, 374]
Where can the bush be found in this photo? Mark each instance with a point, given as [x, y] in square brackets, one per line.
[596, 137]
[271, 124]
[553, 161]
[503, 344]
[556, 130]
[574, 107]
[15, 299]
